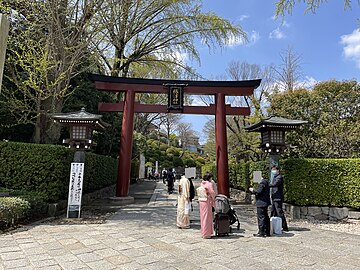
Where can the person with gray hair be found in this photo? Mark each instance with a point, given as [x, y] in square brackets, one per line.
[277, 196]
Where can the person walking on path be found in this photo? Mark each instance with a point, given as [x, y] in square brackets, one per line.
[164, 175]
[262, 195]
[192, 192]
[206, 196]
[170, 181]
[277, 196]
[183, 204]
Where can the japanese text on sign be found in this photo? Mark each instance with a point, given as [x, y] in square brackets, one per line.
[76, 183]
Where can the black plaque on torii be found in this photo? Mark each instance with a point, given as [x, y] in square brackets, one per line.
[175, 97]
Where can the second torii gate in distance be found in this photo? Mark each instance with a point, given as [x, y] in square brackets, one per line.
[175, 90]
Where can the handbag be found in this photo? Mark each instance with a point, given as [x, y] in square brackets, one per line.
[187, 209]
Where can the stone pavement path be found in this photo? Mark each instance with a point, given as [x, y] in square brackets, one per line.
[144, 236]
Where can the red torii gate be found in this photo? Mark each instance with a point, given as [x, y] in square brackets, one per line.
[133, 85]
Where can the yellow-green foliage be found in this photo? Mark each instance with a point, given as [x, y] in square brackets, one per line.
[209, 168]
[12, 209]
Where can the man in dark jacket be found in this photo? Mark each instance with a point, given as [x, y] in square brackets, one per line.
[277, 196]
[262, 195]
[170, 181]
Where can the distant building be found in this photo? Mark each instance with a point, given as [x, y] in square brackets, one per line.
[191, 144]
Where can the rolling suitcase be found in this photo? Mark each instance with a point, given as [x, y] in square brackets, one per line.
[222, 224]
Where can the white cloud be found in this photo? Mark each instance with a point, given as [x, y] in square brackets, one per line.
[351, 48]
[233, 41]
[181, 57]
[277, 34]
[254, 37]
[178, 56]
[308, 83]
[243, 17]
[283, 23]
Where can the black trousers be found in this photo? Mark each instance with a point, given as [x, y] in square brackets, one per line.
[277, 211]
[263, 220]
[170, 185]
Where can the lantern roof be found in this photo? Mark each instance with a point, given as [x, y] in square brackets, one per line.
[275, 122]
[80, 117]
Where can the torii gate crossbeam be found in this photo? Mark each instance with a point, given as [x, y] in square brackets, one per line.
[130, 86]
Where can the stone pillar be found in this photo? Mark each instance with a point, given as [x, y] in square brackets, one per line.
[124, 168]
[4, 30]
[221, 145]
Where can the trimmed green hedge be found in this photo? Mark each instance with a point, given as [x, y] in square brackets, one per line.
[11, 210]
[100, 171]
[208, 168]
[239, 175]
[322, 182]
[330, 182]
[46, 169]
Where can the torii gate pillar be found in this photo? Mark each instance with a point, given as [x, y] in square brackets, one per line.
[221, 145]
[124, 168]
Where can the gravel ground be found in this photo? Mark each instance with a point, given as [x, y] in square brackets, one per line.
[352, 226]
[349, 226]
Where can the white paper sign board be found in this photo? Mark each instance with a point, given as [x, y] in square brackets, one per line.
[75, 186]
[257, 177]
[4, 30]
[190, 172]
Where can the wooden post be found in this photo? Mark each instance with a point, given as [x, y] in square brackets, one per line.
[124, 168]
[221, 145]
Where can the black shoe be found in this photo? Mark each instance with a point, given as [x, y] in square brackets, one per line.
[259, 235]
[286, 230]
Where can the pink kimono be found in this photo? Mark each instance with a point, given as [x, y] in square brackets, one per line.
[206, 215]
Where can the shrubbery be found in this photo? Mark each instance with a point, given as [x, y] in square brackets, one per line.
[46, 169]
[11, 210]
[328, 182]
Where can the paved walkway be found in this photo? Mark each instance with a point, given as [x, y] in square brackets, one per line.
[144, 236]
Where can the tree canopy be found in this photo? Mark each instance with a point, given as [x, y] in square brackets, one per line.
[283, 6]
[333, 114]
[53, 41]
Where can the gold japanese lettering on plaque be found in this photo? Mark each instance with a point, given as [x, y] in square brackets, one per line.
[175, 97]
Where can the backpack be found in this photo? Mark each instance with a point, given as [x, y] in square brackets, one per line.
[169, 177]
[222, 204]
[192, 190]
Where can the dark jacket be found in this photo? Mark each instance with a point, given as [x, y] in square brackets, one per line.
[192, 190]
[277, 188]
[262, 194]
[170, 176]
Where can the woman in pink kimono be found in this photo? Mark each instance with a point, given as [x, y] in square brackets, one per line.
[206, 196]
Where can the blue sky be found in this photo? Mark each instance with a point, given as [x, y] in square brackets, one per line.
[328, 41]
